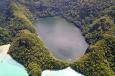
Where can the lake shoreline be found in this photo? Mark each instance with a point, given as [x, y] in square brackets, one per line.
[42, 22]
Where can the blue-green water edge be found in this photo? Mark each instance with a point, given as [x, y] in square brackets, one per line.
[8, 66]
[63, 39]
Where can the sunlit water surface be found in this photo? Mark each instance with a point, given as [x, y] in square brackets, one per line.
[65, 72]
[61, 37]
[8, 66]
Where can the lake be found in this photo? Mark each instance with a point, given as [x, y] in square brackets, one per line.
[62, 38]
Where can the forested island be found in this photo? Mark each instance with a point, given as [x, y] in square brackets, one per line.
[95, 19]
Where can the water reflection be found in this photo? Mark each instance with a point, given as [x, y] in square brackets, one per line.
[63, 39]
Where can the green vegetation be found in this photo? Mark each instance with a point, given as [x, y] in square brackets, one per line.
[4, 36]
[99, 62]
[34, 69]
[96, 30]
[28, 49]
[79, 12]
[21, 12]
[95, 17]
[19, 18]
[100, 56]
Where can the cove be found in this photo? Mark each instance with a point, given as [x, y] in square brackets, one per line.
[64, 72]
[8, 66]
[62, 38]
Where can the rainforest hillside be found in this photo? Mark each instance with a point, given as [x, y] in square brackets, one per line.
[95, 18]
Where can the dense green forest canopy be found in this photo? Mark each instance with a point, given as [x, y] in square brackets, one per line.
[95, 18]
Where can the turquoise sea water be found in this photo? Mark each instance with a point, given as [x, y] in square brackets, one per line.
[62, 38]
[8, 66]
[64, 72]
